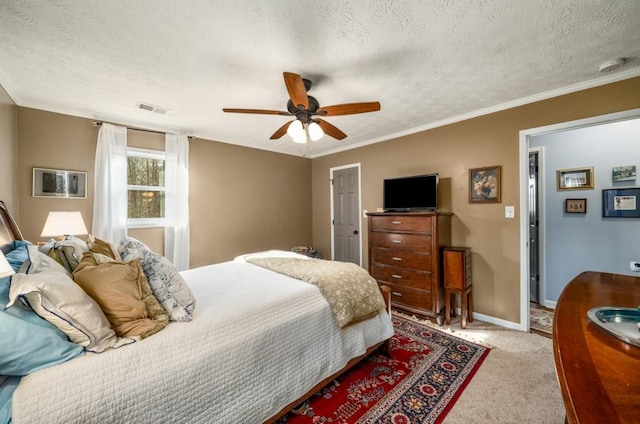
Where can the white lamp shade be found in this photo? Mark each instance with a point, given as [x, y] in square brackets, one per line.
[5, 268]
[63, 224]
[295, 130]
[315, 132]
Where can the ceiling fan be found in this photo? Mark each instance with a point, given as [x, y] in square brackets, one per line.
[307, 111]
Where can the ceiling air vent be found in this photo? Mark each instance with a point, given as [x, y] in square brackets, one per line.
[152, 108]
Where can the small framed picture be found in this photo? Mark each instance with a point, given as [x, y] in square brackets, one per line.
[575, 206]
[59, 183]
[621, 203]
[575, 178]
[624, 173]
[484, 185]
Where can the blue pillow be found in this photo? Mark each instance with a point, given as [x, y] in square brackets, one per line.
[18, 254]
[27, 342]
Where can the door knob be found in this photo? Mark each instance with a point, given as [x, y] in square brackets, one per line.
[355, 231]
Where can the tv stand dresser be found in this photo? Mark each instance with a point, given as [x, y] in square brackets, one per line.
[405, 254]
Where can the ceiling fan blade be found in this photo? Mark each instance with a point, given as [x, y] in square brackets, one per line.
[280, 131]
[331, 130]
[257, 111]
[348, 109]
[296, 89]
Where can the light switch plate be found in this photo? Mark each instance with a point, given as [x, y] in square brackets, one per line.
[509, 212]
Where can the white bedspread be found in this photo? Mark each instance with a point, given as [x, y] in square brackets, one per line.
[259, 340]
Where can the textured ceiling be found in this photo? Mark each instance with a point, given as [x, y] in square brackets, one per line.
[428, 62]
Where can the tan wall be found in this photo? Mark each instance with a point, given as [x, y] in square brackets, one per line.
[241, 199]
[245, 200]
[451, 151]
[54, 141]
[9, 152]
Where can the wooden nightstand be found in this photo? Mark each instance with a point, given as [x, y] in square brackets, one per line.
[457, 281]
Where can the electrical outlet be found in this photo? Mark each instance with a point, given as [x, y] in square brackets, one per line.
[635, 266]
[364, 213]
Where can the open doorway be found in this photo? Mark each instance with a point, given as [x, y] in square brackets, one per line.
[547, 297]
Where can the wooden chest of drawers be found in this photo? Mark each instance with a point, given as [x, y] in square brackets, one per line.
[404, 253]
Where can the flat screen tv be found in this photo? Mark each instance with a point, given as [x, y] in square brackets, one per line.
[416, 193]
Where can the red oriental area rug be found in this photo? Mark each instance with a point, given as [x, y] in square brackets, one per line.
[419, 383]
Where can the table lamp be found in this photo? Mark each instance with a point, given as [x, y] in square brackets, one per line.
[60, 224]
[5, 268]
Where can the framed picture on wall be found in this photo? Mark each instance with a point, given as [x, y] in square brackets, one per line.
[621, 203]
[59, 183]
[575, 206]
[624, 173]
[484, 184]
[575, 178]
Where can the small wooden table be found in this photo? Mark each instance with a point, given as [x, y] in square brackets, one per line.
[599, 374]
[457, 281]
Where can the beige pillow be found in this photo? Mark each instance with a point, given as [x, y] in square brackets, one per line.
[97, 245]
[56, 298]
[123, 293]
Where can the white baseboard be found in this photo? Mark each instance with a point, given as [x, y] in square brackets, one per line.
[497, 321]
[549, 304]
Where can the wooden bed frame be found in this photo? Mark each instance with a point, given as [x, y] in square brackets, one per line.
[9, 231]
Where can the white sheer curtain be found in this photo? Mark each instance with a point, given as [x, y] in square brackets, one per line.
[110, 185]
[176, 232]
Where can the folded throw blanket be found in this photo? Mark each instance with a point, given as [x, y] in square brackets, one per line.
[351, 292]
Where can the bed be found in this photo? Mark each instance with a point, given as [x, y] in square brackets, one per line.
[259, 343]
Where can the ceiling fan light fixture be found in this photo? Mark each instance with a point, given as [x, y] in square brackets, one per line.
[315, 132]
[300, 139]
[295, 129]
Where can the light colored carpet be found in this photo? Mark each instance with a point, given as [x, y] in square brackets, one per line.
[515, 384]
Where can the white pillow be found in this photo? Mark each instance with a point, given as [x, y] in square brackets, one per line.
[39, 262]
[270, 254]
[59, 300]
[69, 251]
[166, 283]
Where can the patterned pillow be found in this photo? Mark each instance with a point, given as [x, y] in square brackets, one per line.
[56, 298]
[123, 293]
[167, 284]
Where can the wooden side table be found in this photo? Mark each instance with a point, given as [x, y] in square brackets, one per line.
[457, 281]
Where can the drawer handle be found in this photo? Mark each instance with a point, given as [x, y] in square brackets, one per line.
[396, 241]
[397, 294]
[396, 222]
[399, 277]
[396, 259]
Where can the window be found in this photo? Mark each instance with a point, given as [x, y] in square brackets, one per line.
[145, 188]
